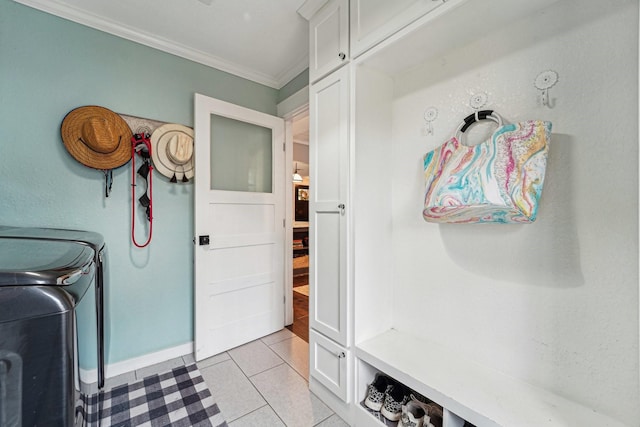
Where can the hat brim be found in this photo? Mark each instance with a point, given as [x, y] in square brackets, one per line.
[161, 162]
[71, 129]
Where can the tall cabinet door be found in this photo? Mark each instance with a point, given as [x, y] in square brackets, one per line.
[328, 158]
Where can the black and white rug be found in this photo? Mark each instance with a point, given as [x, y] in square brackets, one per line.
[179, 398]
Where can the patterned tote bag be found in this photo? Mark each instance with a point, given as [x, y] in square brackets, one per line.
[497, 181]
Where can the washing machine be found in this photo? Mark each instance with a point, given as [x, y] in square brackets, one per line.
[96, 242]
[44, 285]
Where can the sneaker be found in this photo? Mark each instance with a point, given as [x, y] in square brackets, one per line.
[394, 398]
[376, 392]
[418, 397]
[433, 411]
[412, 415]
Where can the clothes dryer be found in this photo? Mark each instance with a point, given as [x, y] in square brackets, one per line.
[42, 284]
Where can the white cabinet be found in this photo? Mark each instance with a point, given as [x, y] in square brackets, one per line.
[330, 373]
[374, 20]
[328, 364]
[328, 39]
[369, 295]
[328, 156]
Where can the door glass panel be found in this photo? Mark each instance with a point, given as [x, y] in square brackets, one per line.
[241, 156]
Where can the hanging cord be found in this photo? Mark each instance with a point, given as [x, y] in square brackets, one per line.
[141, 145]
[108, 181]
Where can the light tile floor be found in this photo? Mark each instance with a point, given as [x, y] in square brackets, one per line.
[263, 383]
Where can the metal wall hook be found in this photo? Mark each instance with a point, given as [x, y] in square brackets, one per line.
[545, 81]
[430, 115]
[478, 100]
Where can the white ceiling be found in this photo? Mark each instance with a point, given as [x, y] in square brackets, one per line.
[262, 40]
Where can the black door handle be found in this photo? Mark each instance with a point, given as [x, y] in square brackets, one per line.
[203, 240]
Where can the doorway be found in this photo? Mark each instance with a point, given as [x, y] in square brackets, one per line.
[300, 225]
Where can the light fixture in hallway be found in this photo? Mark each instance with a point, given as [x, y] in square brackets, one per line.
[296, 175]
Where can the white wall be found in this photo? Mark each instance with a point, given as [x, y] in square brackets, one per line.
[556, 302]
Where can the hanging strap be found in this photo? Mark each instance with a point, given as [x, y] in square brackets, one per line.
[141, 145]
[108, 181]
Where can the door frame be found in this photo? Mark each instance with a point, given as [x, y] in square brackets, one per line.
[290, 109]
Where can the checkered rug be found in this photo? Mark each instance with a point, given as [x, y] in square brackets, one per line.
[179, 398]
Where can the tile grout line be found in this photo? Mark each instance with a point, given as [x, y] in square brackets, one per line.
[252, 385]
[290, 364]
[265, 370]
[325, 419]
[276, 342]
[265, 399]
[216, 363]
[259, 392]
[284, 362]
[256, 410]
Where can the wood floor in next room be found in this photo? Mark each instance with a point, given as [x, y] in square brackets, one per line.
[300, 325]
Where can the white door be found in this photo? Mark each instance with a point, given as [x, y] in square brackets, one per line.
[329, 167]
[239, 225]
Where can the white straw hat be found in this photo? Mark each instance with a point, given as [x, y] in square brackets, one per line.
[172, 151]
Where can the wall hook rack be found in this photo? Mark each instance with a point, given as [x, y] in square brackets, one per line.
[545, 81]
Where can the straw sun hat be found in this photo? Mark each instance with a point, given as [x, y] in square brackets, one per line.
[97, 137]
[172, 151]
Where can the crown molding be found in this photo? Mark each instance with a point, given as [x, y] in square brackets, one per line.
[293, 72]
[310, 7]
[151, 40]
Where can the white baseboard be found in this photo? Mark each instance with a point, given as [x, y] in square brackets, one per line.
[341, 408]
[119, 368]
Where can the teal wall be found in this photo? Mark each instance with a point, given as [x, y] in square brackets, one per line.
[49, 66]
[298, 82]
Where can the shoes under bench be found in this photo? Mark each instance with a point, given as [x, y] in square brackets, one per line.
[397, 402]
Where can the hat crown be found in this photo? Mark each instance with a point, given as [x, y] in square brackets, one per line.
[180, 148]
[173, 151]
[98, 133]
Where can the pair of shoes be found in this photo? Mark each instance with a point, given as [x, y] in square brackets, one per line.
[385, 395]
[421, 412]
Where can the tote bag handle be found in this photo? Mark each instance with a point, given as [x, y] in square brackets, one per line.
[474, 118]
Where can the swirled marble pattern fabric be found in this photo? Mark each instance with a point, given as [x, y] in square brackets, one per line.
[496, 181]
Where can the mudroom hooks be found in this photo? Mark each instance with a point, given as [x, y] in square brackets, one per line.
[430, 115]
[478, 100]
[545, 81]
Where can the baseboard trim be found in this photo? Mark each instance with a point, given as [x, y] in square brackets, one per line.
[119, 368]
[341, 408]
